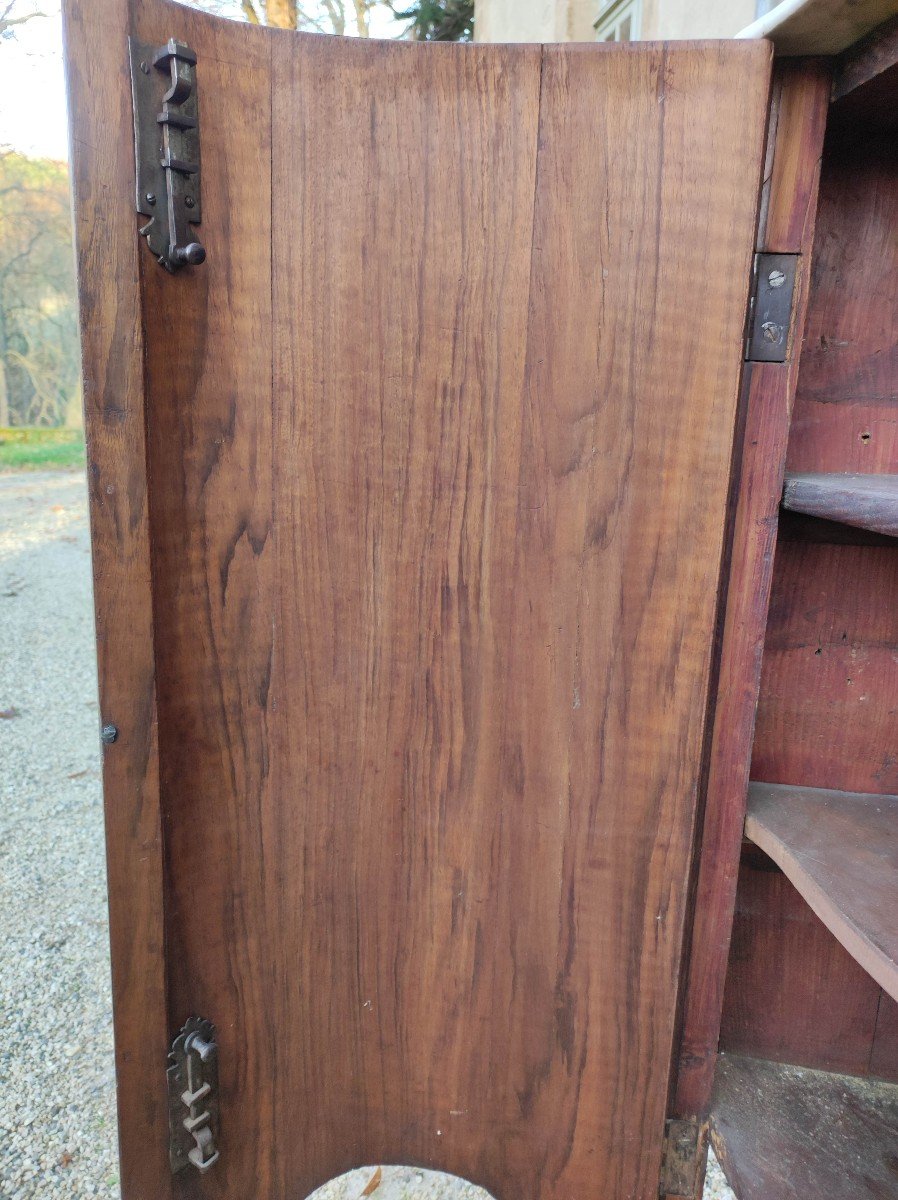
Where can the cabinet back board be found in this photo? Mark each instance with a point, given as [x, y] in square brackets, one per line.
[826, 715]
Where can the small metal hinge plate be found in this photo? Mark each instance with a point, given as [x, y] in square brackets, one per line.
[193, 1097]
[685, 1148]
[770, 314]
[167, 149]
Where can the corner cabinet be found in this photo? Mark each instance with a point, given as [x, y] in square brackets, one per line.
[439, 401]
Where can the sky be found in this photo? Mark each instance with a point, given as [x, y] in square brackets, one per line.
[32, 87]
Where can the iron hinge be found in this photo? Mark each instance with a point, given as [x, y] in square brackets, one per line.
[193, 1097]
[770, 309]
[683, 1165]
[167, 149]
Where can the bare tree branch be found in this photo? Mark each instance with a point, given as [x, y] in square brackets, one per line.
[336, 15]
[7, 22]
[305, 20]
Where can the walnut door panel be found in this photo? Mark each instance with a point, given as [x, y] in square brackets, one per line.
[438, 447]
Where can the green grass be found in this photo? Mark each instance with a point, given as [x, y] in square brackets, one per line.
[41, 449]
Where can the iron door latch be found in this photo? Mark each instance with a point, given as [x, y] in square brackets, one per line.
[770, 311]
[167, 149]
[193, 1097]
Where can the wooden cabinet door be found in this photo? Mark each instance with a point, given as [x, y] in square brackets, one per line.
[408, 511]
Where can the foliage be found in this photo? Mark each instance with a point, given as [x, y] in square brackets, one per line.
[39, 368]
[424, 20]
[38, 322]
[440, 20]
[40, 449]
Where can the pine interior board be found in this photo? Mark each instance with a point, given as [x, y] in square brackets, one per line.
[867, 60]
[865, 84]
[840, 850]
[865, 501]
[829, 692]
[845, 401]
[826, 718]
[884, 1051]
[793, 992]
[788, 1133]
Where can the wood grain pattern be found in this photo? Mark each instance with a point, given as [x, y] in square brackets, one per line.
[114, 412]
[477, 568]
[840, 850]
[826, 718]
[795, 135]
[791, 213]
[783, 1133]
[401, 302]
[846, 405]
[209, 428]
[793, 993]
[884, 1050]
[829, 694]
[437, 492]
[867, 61]
[866, 501]
[865, 83]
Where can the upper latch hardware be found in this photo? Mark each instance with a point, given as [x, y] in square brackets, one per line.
[770, 315]
[193, 1097]
[167, 149]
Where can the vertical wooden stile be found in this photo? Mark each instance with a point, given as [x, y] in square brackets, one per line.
[789, 197]
[108, 264]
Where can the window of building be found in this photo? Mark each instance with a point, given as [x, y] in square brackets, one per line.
[618, 21]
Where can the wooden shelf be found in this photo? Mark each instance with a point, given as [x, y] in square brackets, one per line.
[788, 1133]
[865, 501]
[865, 82]
[818, 26]
[840, 850]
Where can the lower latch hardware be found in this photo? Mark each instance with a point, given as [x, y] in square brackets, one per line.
[193, 1097]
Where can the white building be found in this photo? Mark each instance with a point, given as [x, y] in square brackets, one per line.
[612, 20]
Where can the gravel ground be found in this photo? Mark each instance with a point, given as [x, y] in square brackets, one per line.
[57, 1122]
[56, 1101]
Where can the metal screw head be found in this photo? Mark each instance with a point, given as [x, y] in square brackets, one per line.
[189, 202]
[145, 67]
[108, 734]
[150, 197]
[776, 279]
[771, 331]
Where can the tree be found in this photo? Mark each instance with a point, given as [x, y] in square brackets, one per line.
[440, 20]
[317, 16]
[423, 20]
[8, 22]
[38, 323]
